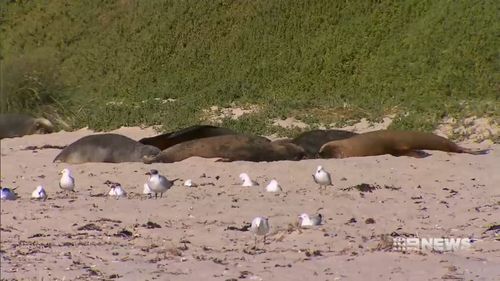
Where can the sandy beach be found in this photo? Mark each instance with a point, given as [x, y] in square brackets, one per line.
[199, 232]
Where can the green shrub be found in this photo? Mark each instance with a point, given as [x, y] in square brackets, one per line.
[321, 61]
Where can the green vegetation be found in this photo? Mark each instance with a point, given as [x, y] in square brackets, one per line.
[102, 63]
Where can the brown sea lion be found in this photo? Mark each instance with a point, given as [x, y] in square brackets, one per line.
[312, 141]
[167, 140]
[110, 148]
[396, 143]
[18, 125]
[230, 148]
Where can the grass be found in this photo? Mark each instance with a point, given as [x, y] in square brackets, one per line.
[102, 63]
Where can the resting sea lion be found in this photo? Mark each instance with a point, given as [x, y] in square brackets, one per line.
[230, 148]
[111, 148]
[312, 141]
[18, 125]
[396, 143]
[167, 140]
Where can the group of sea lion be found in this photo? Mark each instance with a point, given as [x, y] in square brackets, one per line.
[200, 140]
[216, 142]
[227, 145]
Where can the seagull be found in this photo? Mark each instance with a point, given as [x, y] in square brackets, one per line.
[117, 191]
[158, 183]
[305, 220]
[260, 227]
[322, 177]
[247, 181]
[190, 183]
[39, 193]
[273, 186]
[7, 194]
[67, 182]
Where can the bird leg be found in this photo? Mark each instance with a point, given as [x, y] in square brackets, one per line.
[156, 195]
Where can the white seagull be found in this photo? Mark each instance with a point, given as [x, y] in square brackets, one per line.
[260, 227]
[39, 193]
[190, 183]
[306, 220]
[247, 181]
[273, 186]
[322, 177]
[158, 183]
[67, 182]
[7, 194]
[117, 191]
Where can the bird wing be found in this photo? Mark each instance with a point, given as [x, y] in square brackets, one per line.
[329, 178]
[165, 182]
[316, 219]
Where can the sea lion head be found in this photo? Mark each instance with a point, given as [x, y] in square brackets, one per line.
[294, 151]
[42, 126]
[149, 151]
[330, 150]
[148, 159]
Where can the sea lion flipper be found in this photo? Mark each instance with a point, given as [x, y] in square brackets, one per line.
[416, 154]
[477, 152]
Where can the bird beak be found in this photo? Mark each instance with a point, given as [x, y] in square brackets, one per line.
[148, 173]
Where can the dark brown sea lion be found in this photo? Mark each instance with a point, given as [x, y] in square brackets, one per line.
[18, 125]
[396, 143]
[230, 148]
[167, 140]
[110, 148]
[312, 141]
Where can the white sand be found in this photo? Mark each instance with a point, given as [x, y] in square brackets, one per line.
[193, 242]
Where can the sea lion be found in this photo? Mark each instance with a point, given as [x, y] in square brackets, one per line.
[396, 143]
[311, 141]
[110, 148]
[18, 125]
[230, 148]
[167, 140]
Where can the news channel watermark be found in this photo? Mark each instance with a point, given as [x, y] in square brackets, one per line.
[438, 244]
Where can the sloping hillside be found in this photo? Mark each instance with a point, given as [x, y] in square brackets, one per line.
[127, 62]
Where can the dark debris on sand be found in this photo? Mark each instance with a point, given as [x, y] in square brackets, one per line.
[124, 234]
[90, 227]
[245, 227]
[45, 146]
[151, 225]
[365, 187]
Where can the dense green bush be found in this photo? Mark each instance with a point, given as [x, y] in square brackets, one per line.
[103, 63]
